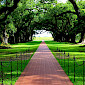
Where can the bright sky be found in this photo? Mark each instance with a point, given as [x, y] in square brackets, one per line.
[43, 34]
[46, 34]
[58, 1]
[62, 1]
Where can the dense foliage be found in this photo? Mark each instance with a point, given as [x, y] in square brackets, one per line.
[19, 19]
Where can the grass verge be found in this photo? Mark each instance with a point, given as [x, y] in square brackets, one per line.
[74, 50]
[19, 47]
[17, 69]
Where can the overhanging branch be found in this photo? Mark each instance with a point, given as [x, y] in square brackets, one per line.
[66, 13]
[4, 9]
[9, 9]
[75, 7]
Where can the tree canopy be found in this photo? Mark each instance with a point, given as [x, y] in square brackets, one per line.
[19, 19]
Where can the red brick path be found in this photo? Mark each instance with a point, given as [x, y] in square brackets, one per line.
[43, 69]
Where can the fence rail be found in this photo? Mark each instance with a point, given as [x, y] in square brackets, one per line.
[7, 67]
[66, 58]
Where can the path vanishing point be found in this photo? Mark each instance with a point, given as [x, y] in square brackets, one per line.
[43, 69]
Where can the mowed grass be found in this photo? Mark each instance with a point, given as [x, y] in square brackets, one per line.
[7, 53]
[7, 71]
[17, 48]
[76, 50]
[42, 38]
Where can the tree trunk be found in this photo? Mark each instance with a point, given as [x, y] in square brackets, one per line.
[5, 37]
[82, 40]
[31, 37]
[55, 36]
[5, 40]
[11, 39]
[17, 36]
[75, 7]
[73, 38]
[82, 35]
[67, 38]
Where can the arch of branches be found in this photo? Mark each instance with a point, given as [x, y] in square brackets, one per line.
[19, 19]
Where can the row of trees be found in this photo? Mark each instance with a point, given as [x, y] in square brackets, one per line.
[16, 20]
[19, 19]
[64, 20]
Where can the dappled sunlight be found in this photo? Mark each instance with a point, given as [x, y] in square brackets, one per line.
[43, 69]
[20, 47]
[24, 24]
[43, 38]
[74, 50]
[23, 45]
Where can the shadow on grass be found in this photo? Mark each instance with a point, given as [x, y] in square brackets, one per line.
[65, 46]
[20, 47]
[28, 43]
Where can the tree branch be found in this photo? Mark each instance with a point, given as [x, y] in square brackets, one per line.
[66, 13]
[4, 9]
[75, 7]
[9, 9]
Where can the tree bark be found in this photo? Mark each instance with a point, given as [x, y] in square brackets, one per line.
[73, 38]
[16, 37]
[82, 40]
[11, 39]
[75, 7]
[9, 9]
[5, 37]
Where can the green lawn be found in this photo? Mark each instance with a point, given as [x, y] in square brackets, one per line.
[74, 50]
[17, 48]
[7, 71]
[7, 53]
